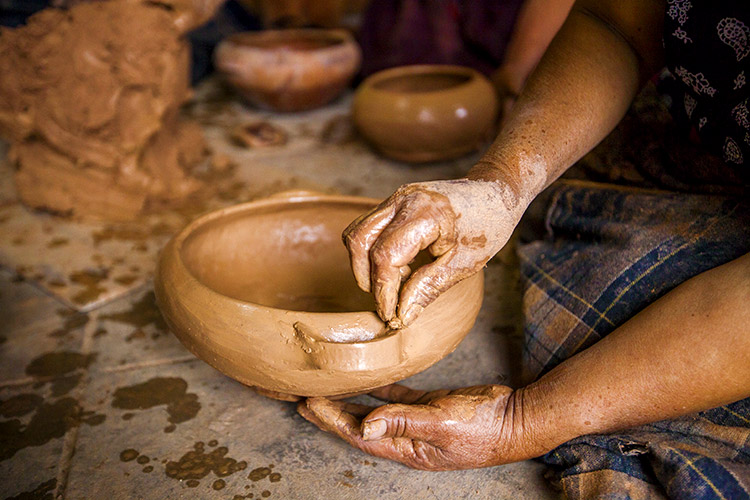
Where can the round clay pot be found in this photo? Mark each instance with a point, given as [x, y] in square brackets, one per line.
[264, 293]
[289, 70]
[425, 113]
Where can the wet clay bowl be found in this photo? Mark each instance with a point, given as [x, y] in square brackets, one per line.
[289, 70]
[264, 293]
[425, 113]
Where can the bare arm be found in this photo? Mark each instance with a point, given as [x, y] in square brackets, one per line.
[581, 89]
[688, 351]
[537, 23]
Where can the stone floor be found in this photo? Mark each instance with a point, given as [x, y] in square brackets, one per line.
[98, 399]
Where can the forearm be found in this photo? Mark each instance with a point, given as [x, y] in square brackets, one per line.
[688, 351]
[581, 89]
[537, 23]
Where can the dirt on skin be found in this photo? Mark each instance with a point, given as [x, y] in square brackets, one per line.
[170, 391]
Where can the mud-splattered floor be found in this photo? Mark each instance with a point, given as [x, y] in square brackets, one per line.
[99, 401]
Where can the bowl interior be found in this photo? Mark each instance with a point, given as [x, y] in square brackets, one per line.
[416, 83]
[286, 255]
[300, 41]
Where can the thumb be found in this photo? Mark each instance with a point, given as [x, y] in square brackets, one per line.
[420, 422]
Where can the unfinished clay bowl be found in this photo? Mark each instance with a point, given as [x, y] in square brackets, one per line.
[425, 113]
[289, 70]
[263, 292]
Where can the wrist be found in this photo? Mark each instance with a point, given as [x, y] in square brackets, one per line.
[543, 421]
[520, 192]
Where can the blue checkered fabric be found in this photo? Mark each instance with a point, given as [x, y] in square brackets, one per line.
[609, 252]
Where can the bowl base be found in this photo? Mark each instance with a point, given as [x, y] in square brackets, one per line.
[428, 156]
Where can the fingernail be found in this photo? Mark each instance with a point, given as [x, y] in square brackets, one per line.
[374, 429]
[408, 316]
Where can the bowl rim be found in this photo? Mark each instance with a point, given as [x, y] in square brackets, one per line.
[340, 37]
[281, 199]
[421, 69]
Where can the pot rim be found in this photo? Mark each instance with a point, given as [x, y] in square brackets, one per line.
[421, 69]
[279, 199]
[339, 37]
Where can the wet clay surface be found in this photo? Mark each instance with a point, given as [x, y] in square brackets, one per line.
[316, 332]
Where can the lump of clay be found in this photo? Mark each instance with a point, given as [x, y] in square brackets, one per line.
[89, 100]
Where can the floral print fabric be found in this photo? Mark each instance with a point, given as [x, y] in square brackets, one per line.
[708, 57]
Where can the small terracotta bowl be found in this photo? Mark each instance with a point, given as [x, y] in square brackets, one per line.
[425, 113]
[263, 292]
[289, 70]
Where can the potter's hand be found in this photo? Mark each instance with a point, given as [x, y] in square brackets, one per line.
[442, 430]
[462, 222]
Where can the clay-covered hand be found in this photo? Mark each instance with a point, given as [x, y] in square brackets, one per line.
[441, 430]
[462, 222]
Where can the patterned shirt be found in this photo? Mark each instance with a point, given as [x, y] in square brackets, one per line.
[707, 48]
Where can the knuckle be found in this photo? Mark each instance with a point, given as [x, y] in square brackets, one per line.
[381, 256]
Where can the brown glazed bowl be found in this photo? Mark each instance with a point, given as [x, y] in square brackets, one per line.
[425, 113]
[263, 292]
[289, 70]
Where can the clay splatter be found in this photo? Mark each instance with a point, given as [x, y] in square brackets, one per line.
[219, 484]
[122, 233]
[62, 386]
[141, 314]
[148, 469]
[259, 473]
[57, 364]
[20, 405]
[196, 464]
[50, 421]
[129, 455]
[126, 279]
[57, 242]
[169, 391]
[265, 494]
[338, 130]
[73, 321]
[90, 279]
[143, 460]
[44, 491]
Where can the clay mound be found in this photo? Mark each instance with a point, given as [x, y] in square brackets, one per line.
[89, 101]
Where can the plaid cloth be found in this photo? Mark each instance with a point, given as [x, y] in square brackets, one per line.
[609, 252]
